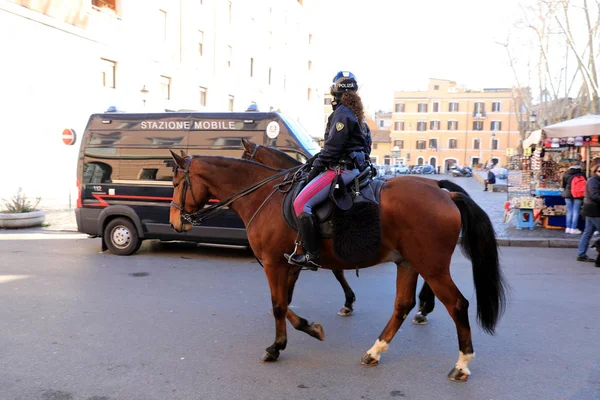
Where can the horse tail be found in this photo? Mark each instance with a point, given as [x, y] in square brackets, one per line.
[451, 186]
[480, 246]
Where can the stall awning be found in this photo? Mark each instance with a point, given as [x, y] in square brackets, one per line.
[532, 139]
[587, 125]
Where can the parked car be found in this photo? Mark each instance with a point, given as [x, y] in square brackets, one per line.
[464, 171]
[400, 169]
[501, 173]
[428, 169]
[403, 169]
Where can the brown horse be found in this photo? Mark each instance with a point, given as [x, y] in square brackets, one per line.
[420, 225]
[275, 158]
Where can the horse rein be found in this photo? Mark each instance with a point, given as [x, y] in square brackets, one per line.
[196, 218]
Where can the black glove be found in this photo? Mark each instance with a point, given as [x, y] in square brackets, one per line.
[313, 174]
[311, 160]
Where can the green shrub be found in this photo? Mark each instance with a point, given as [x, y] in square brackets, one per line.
[20, 204]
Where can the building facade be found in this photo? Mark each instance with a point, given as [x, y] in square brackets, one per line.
[67, 59]
[448, 125]
[381, 149]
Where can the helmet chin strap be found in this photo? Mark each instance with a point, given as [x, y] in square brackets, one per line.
[336, 101]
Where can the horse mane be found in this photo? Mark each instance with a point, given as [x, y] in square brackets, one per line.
[283, 154]
[230, 159]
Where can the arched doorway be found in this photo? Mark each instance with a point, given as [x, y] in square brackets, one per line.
[420, 161]
[449, 162]
[433, 162]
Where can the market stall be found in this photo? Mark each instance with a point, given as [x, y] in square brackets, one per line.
[558, 147]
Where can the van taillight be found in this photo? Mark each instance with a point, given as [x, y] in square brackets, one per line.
[79, 194]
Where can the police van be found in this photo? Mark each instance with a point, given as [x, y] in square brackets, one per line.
[125, 171]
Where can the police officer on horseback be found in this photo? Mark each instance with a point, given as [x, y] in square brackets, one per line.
[345, 154]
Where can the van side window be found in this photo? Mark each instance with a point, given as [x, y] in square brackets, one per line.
[96, 172]
[298, 156]
[144, 164]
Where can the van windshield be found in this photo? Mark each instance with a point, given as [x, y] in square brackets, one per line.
[303, 136]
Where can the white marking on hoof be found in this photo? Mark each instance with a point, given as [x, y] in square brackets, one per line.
[463, 362]
[380, 346]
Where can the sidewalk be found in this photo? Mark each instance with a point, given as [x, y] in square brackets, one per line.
[61, 219]
[508, 234]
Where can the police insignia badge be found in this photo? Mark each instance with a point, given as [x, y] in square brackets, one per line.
[339, 126]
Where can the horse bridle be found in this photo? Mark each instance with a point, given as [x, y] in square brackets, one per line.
[253, 153]
[187, 184]
[196, 218]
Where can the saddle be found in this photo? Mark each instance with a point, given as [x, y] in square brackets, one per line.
[362, 189]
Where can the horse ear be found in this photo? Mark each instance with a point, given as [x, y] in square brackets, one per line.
[183, 153]
[247, 144]
[180, 161]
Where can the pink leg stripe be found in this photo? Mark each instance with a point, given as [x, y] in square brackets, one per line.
[321, 182]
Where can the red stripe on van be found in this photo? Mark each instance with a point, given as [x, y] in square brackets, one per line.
[103, 203]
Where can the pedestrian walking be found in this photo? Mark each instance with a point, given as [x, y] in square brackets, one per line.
[591, 211]
[573, 184]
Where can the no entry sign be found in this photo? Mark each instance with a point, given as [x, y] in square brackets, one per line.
[68, 137]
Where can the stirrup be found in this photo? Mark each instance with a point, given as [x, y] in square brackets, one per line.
[306, 262]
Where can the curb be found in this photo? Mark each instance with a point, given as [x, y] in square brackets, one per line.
[502, 242]
[540, 242]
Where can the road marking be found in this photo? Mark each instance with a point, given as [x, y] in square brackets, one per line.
[11, 278]
[42, 236]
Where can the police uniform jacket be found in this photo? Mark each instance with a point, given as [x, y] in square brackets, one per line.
[342, 137]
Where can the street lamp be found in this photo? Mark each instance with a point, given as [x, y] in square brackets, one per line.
[492, 155]
[144, 94]
[532, 120]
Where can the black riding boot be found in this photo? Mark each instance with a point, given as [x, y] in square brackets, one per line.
[311, 240]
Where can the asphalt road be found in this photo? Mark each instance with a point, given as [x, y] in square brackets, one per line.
[179, 322]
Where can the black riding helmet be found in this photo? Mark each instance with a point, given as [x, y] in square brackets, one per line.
[343, 81]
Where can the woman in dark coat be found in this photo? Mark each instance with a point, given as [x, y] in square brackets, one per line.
[345, 153]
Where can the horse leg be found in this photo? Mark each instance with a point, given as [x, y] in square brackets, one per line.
[313, 329]
[456, 304]
[406, 286]
[293, 275]
[277, 276]
[426, 304]
[347, 309]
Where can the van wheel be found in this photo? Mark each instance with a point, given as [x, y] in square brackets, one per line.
[121, 237]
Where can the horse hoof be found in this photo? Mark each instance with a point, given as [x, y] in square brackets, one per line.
[316, 331]
[269, 358]
[419, 319]
[368, 360]
[456, 375]
[345, 312]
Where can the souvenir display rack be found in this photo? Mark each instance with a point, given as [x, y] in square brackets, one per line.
[519, 179]
[550, 165]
